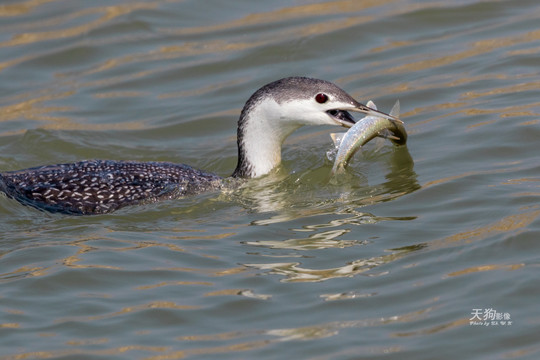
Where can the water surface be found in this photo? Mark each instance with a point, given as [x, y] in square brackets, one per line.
[392, 262]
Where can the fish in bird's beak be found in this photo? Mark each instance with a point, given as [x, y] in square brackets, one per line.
[373, 112]
[345, 119]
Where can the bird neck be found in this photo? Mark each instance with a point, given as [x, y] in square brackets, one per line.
[262, 128]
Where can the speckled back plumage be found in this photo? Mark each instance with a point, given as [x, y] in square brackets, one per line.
[102, 186]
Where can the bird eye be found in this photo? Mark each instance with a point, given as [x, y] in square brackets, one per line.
[321, 98]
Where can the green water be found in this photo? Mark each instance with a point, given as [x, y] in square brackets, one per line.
[391, 262]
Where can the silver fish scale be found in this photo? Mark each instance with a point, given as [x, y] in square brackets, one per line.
[102, 186]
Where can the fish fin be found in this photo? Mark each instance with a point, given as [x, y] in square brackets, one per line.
[337, 137]
[388, 136]
[371, 104]
[395, 109]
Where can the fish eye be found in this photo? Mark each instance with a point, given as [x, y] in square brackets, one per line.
[321, 98]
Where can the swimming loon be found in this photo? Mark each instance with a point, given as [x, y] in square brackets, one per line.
[101, 186]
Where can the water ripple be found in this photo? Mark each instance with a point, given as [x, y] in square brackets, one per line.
[389, 261]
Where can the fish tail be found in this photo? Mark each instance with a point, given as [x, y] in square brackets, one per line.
[337, 169]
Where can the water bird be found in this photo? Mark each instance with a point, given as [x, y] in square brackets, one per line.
[271, 114]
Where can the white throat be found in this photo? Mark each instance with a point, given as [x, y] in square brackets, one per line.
[276, 110]
[265, 129]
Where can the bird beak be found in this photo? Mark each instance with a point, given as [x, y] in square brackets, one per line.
[369, 111]
[342, 117]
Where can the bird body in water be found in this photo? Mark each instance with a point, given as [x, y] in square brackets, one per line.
[101, 186]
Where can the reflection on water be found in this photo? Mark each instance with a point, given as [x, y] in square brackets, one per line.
[314, 332]
[346, 296]
[323, 239]
[294, 273]
[387, 262]
[508, 224]
[292, 197]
